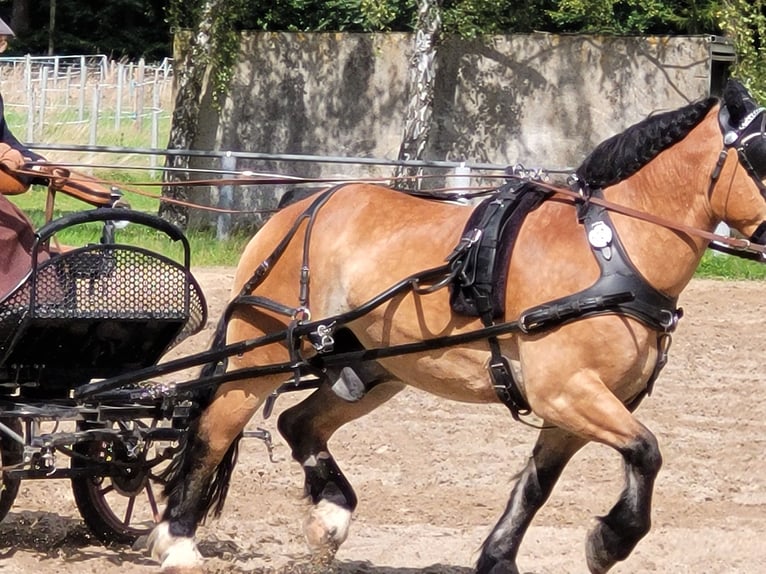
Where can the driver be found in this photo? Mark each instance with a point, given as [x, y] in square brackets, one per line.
[19, 169]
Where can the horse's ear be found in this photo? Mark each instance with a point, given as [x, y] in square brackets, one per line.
[738, 101]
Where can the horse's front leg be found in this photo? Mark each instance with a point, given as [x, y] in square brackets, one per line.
[553, 450]
[199, 482]
[616, 534]
[307, 427]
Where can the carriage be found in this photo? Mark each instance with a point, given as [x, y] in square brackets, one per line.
[85, 314]
[555, 300]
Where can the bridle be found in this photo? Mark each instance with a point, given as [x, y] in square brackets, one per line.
[749, 140]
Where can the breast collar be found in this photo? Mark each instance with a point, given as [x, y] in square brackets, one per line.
[619, 282]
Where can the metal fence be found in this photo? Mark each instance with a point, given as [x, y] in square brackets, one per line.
[44, 94]
[457, 177]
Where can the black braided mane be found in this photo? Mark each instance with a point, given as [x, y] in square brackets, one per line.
[624, 154]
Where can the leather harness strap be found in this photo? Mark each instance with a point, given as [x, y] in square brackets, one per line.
[619, 289]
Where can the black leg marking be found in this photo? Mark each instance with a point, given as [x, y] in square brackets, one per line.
[323, 478]
[192, 490]
[532, 489]
[325, 481]
[617, 533]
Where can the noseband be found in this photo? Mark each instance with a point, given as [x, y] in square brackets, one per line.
[749, 140]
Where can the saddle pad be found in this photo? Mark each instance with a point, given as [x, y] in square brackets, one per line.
[480, 289]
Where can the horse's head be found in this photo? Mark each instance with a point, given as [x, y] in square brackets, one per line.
[739, 194]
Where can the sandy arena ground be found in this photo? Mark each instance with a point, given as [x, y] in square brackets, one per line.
[433, 476]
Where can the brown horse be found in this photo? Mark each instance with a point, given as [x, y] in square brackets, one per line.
[593, 275]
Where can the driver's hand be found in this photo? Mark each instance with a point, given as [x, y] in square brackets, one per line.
[11, 159]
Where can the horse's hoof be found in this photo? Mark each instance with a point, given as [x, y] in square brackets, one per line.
[326, 527]
[599, 558]
[176, 554]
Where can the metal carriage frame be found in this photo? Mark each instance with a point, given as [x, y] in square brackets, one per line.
[81, 315]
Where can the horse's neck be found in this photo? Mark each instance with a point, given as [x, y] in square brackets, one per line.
[673, 186]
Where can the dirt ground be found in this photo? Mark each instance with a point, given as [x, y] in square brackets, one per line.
[433, 476]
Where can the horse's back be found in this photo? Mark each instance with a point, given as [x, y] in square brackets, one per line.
[361, 228]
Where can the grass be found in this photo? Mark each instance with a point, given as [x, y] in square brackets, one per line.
[718, 266]
[206, 249]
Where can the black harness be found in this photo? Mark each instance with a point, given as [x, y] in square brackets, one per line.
[483, 256]
[620, 288]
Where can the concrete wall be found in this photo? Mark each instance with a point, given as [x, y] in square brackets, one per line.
[539, 99]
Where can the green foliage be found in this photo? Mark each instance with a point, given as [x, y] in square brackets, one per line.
[330, 15]
[635, 16]
[134, 28]
[745, 23]
[473, 18]
[226, 47]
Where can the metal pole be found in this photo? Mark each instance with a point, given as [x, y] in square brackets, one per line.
[43, 98]
[225, 198]
[83, 84]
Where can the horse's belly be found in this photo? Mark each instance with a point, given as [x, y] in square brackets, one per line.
[458, 374]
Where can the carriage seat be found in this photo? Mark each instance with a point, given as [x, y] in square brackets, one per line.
[95, 311]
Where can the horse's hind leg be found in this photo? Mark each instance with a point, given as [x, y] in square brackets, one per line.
[307, 427]
[553, 450]
[199, 483]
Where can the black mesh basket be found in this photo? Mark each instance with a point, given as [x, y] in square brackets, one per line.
[96, 312]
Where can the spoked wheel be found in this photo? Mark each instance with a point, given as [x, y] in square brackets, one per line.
[124, 505]
[11, 452]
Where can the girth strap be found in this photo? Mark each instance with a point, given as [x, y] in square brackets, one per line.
[504, 383]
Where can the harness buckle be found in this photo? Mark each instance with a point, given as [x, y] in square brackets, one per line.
[322, 338]
[302, 315]
[505, 386]
[668, 319]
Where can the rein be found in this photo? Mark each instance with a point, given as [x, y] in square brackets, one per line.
[738, 244]
[731, 245]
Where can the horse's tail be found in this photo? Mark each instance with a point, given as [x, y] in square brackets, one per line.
[192, 451]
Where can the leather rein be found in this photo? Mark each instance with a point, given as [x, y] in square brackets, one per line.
[732, 245]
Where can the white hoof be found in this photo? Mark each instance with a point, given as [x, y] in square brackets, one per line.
[174, 553]
[326, 526]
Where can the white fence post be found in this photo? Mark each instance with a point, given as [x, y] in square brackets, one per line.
[94, 111]
[83, 83]
[59, 90]
[43, 98]
[140, 94]
[118, 106]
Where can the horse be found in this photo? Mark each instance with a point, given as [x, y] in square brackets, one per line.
[588, 304]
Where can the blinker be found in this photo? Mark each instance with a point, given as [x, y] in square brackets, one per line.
[754, 149]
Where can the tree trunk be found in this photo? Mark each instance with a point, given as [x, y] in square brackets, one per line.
[51, 27]
[417, 122]
[190, 74]
[20, 22]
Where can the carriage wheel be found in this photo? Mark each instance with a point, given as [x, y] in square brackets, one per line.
[121, 508]
[11, 452]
